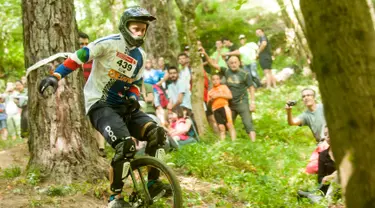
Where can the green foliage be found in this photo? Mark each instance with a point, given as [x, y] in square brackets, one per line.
[11, 45]
[9, 143]
[59, 190]
[12, 172]
[266, 173]
[33, 176]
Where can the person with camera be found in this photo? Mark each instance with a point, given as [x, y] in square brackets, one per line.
[313, 117]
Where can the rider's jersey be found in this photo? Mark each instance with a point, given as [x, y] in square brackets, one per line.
[116, 72]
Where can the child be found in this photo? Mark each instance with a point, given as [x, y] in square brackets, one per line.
[179, 126]
[219, 96]
[3, 119]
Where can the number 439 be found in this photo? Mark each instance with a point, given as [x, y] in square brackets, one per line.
[124, 65]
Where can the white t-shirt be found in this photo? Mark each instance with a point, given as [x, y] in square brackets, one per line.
[185, 76]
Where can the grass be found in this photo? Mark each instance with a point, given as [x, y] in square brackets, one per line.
[266, 173]
[9, 143]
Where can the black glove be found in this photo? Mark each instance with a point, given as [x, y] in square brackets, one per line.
[133, 104]
[46, 82]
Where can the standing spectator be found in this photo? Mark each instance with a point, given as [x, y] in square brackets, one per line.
[248, 53]
[21, 102]
[313, 117]
[178, 92]
[265, 57]
[83, 42]
[217, 55]
[147, 93]
[3, 119]
[239, 82]
[13, 120]
[219, 96]
[152, 76]
[229, 44]
[183, 60]
[24, 81]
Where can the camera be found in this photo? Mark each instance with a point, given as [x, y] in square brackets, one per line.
[291, 103]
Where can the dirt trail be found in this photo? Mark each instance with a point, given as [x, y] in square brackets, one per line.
[22, 196]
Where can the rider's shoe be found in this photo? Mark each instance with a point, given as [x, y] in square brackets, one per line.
[117, 201]
[156, 187]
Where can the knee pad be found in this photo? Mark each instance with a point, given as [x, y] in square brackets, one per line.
[125, 148]
[156, 136]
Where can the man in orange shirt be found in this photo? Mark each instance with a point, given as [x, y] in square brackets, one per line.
[219, 96]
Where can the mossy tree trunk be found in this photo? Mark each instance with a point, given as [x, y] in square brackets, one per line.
[61, 143]
[162, 37]
[188, 18]
[342, 39]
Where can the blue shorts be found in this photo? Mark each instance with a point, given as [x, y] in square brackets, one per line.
[3, 124]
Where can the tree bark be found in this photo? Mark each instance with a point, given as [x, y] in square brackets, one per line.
[188, 18]
[162, 37]
[341, 37]
[61, 142]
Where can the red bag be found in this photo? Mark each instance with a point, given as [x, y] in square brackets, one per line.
[312, 167]
[162, 97]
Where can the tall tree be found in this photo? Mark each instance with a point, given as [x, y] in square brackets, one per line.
[188, 18]
[162, 38]
[342, 38]
[60, 141]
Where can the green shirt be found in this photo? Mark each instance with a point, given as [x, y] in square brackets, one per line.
[238, 82]
[221, 62]
[149, 106]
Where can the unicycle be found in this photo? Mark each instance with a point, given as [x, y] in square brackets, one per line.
[137, 185]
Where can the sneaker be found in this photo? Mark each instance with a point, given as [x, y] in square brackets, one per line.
[156, 187]
[117, 202]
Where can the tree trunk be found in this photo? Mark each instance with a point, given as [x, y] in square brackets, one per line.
[162, 37]
[188, 18]
[61, 142]
[341, 37]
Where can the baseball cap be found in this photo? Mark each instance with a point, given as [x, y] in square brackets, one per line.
[241, 36]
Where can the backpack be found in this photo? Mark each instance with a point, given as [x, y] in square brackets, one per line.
[162, 97]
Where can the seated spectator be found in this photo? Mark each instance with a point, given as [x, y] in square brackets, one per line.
[219, 96]
[178, 91]
[180, 126]
[327, 176]
[147, 96]
[3, 119]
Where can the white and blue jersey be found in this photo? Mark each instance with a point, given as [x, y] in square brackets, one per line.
[116, 71]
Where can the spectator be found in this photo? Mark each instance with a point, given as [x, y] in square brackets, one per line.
[21, 102]
[153, 76]
[217, 55]
[148, 97]
[3, 119]
[179, 126]
[183, 60]
[24, 81]
[178, 91]
[83, 42]
[229, 44]
[219, 96]
[239, 82]
[265, 57]
[248, 52]
[13, 120]
[313, 117]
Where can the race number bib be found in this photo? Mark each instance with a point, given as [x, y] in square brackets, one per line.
[124, 64]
